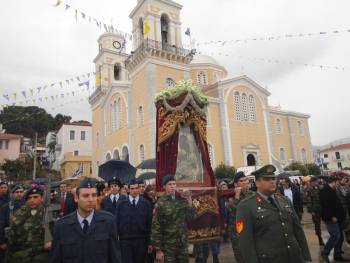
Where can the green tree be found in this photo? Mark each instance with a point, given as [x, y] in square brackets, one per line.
[225, 171]
[297, 166]
[313, 169]
[27, 121]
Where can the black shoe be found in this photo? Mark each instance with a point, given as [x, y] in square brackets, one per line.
[325, 257]
[341, 258]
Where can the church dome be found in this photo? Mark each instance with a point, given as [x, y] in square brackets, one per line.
[204, 59]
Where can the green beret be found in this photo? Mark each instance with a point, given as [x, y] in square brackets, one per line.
[166, 179]
[267, 171]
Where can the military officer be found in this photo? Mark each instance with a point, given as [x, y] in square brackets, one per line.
[169, 231]
[268, 227]
[88, 235]
[241, 183]
[110, 202]
[314, 207]
[27, 234]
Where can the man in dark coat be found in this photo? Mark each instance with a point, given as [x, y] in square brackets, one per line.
[333, 215]
[267, 226]
[292, 192]
[87, 236]
[66, 200]
[4, 193]
[111, 202]
[6, 213]
[134, 220]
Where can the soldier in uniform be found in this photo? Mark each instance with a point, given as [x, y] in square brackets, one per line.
[27, 234]
[314, 207]
[241, 192]
[6, 214]
[88, 235]
[169, 231]
[268, 227]
[110, 202]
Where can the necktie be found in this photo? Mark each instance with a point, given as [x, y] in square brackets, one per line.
[115, 201]
[133, 202]
[63, 201]
[272, 202]
[86, 226]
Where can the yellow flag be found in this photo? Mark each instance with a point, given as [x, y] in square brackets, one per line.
[98, 79]
[146, 27]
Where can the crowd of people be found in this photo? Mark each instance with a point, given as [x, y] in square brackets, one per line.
[131, 223]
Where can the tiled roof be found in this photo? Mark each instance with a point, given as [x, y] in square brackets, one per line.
[337, 148]
[8, 136]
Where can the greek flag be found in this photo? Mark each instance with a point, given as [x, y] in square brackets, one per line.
[188, 32]
[79, 171]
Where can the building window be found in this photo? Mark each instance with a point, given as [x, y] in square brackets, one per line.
[202, 78]
[116, 155]
[125, 154]
[76, 153]
[117, 71]
[118, 114]
[142, 153]
[337, 155]
[169, 82]
[325, 155]
[211, 154]
[108, 157]
[278, 126]
[140, 116]
[164, 25]
[0, 145]
[7, 144]
[244, 107]
[340, 166]
[303, 155]
[82, 135]
[238, 106]
[72, 135]
[252, 113]
[282, 155]
[300, 128]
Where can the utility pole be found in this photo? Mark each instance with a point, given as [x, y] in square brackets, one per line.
[35, 143]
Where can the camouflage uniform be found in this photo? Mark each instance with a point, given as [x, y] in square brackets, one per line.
[169, 231]
[314, 207]
[232, 224]
[26, 239]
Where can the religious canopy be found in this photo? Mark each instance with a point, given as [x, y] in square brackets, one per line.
[182, 150]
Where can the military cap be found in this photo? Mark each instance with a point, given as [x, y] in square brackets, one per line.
[166, 179]
[238, 176]
[133, 182]
[265, 171]
[16, 187]
[140, 181]
[3, 182]
[115, 181]
[313, 179]
[87, 183]
[32, 191]
[331, 179]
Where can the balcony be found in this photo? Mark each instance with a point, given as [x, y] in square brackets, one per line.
[159, 50]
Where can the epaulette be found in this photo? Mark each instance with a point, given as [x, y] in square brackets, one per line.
[246, 199]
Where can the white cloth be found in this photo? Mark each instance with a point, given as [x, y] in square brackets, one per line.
[81, 219]
[136, 199]
[288, 193]
[112, 197]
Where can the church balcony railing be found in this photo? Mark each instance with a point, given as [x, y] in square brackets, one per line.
[162, 50]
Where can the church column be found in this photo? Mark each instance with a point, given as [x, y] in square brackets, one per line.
[158, 33]
[268, 131]
[152, 33]
[292, 139]
[225, 129]
[178, 36]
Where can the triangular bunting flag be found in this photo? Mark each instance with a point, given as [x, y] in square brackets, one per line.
[24, 93]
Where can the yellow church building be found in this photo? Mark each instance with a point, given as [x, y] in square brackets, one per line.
[243, 129]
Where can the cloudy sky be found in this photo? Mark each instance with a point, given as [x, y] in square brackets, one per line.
[42, 44]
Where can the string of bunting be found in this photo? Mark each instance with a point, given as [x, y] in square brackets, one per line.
[81, 79]
[279, 61]
[271, 38]
[48, 98]
[67, 103]
[84, 16]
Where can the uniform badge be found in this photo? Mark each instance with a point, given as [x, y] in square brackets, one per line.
[258, 199]
[239, 226]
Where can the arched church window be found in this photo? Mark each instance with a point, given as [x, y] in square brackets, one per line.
[142, 153]
[237, 99]
[116, 155]
[111, 117]
[278, 126]
[125, 154]
[140, 116]
[244, 107]
[282, 155]
[252, 112]
[117, 71]
[202, 78]
[140, 30]
[164, 22]
[300, 128]
[169, 82]
[303, 155]
[108, 157]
